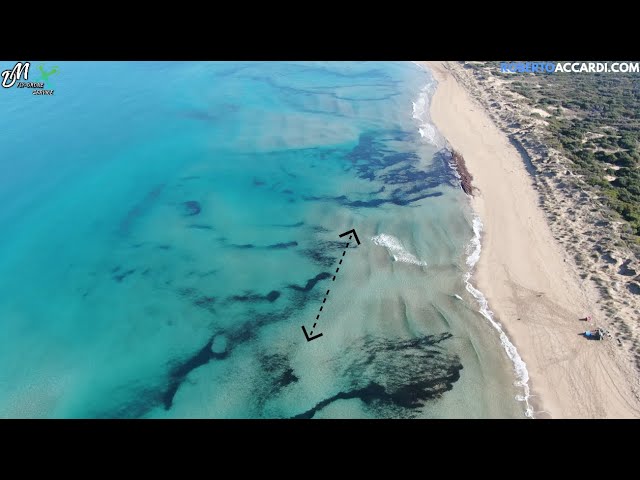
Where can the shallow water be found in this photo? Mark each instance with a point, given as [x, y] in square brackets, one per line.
[169, 227]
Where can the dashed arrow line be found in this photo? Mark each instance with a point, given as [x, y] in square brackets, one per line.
[310, 336]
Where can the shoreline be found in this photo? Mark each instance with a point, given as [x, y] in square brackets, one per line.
[519, 366]
[535, 296]
[466, 178]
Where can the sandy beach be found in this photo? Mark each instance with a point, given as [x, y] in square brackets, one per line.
[534, 292]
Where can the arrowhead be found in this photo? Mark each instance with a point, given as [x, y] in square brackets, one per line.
[352, 231]
[307, 335]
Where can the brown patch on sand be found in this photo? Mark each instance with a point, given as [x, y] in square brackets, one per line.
[465, 177]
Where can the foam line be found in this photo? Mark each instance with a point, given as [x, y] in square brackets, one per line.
[396, 249]
[522, 374]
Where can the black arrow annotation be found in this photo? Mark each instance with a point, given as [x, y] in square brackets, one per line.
[309, 335]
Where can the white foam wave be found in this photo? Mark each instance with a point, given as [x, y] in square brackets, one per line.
[396, 249]
[520, 367]
[475, 246]
[421, 113]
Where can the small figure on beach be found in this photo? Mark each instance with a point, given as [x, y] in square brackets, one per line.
[595, 334]
[586, 319]
[592, 334]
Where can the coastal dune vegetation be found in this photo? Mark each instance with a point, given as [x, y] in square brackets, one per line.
[594, 119]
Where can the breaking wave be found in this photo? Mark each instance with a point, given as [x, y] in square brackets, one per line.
[421, 113]
[522, 374]
[396, 249]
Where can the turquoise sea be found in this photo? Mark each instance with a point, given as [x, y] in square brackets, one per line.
[168, 228]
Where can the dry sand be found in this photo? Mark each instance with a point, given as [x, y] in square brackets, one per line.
[533, 292]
